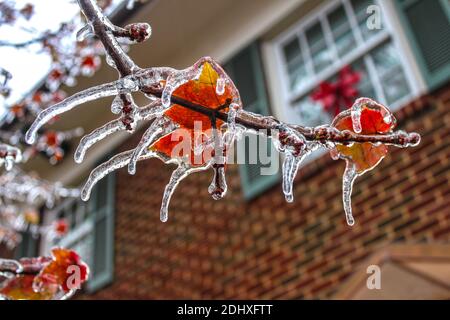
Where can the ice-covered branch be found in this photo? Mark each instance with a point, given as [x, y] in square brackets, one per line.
[204, 93]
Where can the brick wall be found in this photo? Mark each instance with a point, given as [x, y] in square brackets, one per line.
[268, 248]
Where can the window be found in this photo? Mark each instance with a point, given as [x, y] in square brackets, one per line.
[427, 24]
[246, 71]
[334, 36]
[91, 231]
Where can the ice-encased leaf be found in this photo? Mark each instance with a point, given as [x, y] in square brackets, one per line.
[159, 127]
[369, 118]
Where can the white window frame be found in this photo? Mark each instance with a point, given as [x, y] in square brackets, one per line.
[282, 99]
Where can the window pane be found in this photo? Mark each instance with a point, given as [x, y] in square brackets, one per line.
[360, 9]
[320, 53]
[365, 86]
[292, 50]
[311, 112]
[390, 72]
[295, 65]
[342, 33]
[83, 247]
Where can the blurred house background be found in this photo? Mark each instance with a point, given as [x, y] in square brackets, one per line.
[252, 244]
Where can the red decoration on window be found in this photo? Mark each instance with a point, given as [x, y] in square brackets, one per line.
[338, 96]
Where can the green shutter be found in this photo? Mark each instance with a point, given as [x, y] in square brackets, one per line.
[427, 24]
[28, 247]
[102, 208]
[246, 71]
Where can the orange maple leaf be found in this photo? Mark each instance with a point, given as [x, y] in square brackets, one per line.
[375, 119]
[201, 91]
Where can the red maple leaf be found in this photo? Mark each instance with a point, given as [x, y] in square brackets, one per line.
[375, 119]
[201, 91]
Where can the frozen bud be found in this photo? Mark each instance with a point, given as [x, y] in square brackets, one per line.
[138, 32]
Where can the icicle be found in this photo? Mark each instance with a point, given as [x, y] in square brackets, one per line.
[220, 85]
[296, 148]
[145, 113]
[177, 175]
[98, 134]
[173, 82]
[116, 162]
[130, 4]
[218, 187]
[117, 104]
[110, 61]
[348, 179]
[356, 111]
[94, 93]
[179, 77]
[11, 265]
[157, 129]
[290, 167]
[85, 33]
[232, 129]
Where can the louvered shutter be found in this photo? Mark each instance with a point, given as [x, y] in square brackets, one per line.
[427, 24]
[102, 208]
[246, 71]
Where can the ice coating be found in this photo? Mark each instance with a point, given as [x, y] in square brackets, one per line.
[159, 127]
[145, 113]
[117, 105]
[97, 135]
[232, 130]
[218, 187]
[182, 171]
[348, 179]
[85, 32]
[94, 93]
[110, 61]
[220, 85]
[177, 79]
[130, 4]
[355, 111]
[296, 148]
[291, 164]
[11, 265]
[118, 161]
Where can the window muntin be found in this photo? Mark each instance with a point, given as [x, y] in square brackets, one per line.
[335, 36]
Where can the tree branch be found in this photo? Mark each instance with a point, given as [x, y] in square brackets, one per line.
[99, 22]
[249, 120]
